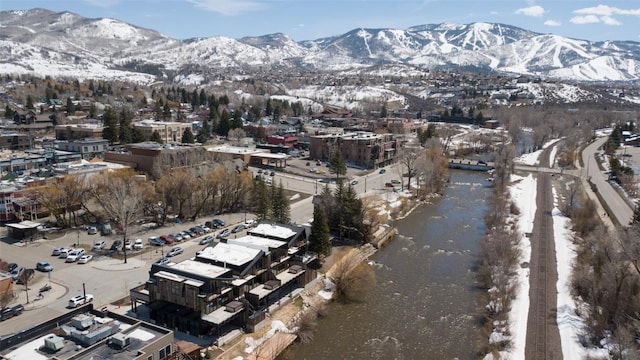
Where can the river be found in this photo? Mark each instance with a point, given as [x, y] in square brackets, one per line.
[425, 304]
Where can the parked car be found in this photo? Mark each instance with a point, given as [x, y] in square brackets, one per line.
[154, 240]
[388, 184]
[206, 240]
[176, 237]
[137, 244]
[395, 182]
[190, 233]
[56, 251]
[250, 223]
[354, 182]
[224, 233]
[11, 266]
[43, 266]
[205, 228]
[128, 245]
[259, 171]
[64, 253]
[174, 251]
[162, 261]
[15, 273]
[85, 258]
[481, 162]
[238, 228]
[382, 171]
[92, 230]
[167, 239]
[197, 230]
[217, 223]
[272, 173]
[80, 300]
[99, 245]
[185, 235]
[10, 312]
[115, 246]
[74, 255]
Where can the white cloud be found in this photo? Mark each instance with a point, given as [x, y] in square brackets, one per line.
[552, 23]
[535, 11]
[608, 20]
[605, 10]
[228, 7]
[587, 19]
[494, 13]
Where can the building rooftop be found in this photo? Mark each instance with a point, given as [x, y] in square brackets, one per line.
[236, 150]
[272, 231]
[200, 268]
[257, 242]
[232, 254]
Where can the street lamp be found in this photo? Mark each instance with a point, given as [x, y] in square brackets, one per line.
[124, 240]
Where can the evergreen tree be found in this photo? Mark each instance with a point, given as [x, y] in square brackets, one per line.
[93, 111]
[280, 207]
[29, 103]
[195, 99]
[137, 136]
[636, 216]
[269, 108]
[202, 135]
[383, 111]
[8, 113]
[203, 97]
[91, 86]
[155, 136]
[187, 137]
[263, 201]
[71, 108]
[125, 133]
[236, 123]
[110, 125]
[320, 239]
[338, 165]
[225, 125]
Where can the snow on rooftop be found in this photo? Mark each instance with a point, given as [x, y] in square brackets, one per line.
[257, 242]
[29, 351]
[272, 231]
[236, 255]
[236, 150]
[200, 268]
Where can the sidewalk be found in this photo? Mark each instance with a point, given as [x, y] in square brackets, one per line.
[29, 298]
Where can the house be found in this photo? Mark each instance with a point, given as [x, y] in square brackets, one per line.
[88, 148]
[15, 141]
[24, 117]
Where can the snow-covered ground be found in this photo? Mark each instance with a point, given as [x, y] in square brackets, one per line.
[532, 159]
[571, 326]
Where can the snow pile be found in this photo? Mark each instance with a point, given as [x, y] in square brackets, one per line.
[328, 289]
[276, 326]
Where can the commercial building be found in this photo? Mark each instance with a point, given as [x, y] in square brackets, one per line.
[88, 148]
[85, 333]
[79, 131]
[15, 141]
[231, 284]
[170, 132]
[361, 149]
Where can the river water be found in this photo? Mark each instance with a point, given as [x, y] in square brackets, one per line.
[425, 304]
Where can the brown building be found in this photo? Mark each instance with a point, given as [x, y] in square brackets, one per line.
[78, 131]
[15, 141]
[170, 132]
[362, 149]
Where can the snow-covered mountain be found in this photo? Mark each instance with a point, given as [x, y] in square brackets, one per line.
[49, 43]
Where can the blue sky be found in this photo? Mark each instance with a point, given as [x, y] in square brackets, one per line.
[312, 19]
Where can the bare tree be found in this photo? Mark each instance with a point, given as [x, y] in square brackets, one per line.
[63, 198]
[236, 135]
[352, 276]
[432, 167]
[409, 159]
[122, 196]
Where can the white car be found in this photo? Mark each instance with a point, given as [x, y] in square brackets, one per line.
[74, 255]
[99, 245]
[174, 251]
[85, 258]
[250, 223]
[64, 253]
[137, 244]
[80, 300]
[128, 245]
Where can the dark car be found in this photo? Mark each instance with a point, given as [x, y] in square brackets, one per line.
[382, 171]
[154, 240]
[197, 230]
[116, 245]
[481, 162]
[10, 312]
[11, 267]
[238, 228]
[388, 184]
[218, 223]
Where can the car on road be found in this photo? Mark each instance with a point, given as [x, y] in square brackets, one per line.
[12, 311]
[43, 266]
[92, 230]
[382, 171]
[395, 182]
[388, 184]
[137, 244]
[74, 255]
[80, 300]
[162, 261]
[174, 251]
[224, 233]
[206, 240]
[238, 228]
[354, 182]
[85, 258]
[99, 245]
[154, 240]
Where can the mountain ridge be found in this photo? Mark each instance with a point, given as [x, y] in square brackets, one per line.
[77, 44]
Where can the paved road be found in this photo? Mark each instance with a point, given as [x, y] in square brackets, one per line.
[619, 208]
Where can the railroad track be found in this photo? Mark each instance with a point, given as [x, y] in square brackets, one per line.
[543, 338]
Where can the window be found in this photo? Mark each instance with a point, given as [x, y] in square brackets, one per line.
[164, 353]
